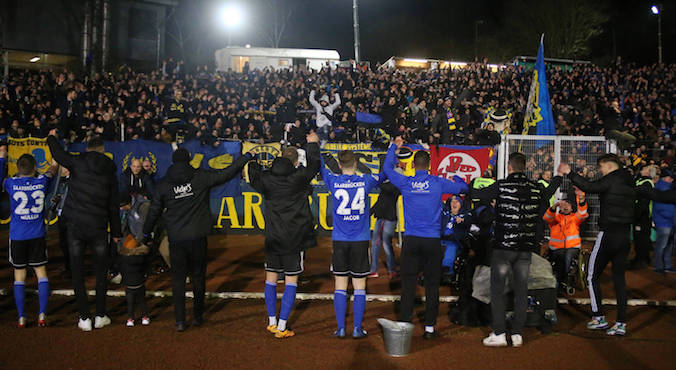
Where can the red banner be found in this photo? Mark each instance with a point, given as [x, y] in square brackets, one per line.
[466, 163]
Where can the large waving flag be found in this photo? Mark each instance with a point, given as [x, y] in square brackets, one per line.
[539, 108]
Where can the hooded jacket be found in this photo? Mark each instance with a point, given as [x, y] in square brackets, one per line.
[284, 189]
[184, 193]
[91, 203]
[324, 113]
[136, 184]
[616, 193]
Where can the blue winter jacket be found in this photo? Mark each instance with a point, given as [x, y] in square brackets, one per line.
[422, 197]
[663, 213]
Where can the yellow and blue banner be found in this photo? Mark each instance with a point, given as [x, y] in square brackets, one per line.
[216, 157]
[36, 147]
[539, 108]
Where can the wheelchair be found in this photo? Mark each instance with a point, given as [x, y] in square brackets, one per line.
[576, 279]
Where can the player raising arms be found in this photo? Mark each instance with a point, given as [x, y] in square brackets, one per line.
[351, 235]
[422, 221]
[27, 245]
[284, 188]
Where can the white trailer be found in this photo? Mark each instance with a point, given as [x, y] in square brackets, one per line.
[235, 58]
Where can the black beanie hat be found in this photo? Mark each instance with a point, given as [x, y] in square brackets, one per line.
[180, 155]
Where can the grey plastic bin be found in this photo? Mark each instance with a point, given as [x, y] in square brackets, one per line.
[397, 337]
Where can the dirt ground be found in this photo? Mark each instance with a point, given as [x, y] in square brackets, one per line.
[235, 337]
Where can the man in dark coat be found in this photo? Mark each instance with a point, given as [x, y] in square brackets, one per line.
[91, 207]
[184, 193]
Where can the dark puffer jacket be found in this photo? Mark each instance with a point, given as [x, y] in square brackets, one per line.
[91, 203]
[617, 195]
[133, 263]
[184, 192]
[284, 189]
[517, 203]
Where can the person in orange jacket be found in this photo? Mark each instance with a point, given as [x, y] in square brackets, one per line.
[564, 234]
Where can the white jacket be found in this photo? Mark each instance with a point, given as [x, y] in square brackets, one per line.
[322, 119]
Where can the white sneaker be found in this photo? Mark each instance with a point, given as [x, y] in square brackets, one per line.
[130, 323]
[100, 322]
[85, 325]
[145, 321]
[517, 340]
[495, 340]
[116, 279]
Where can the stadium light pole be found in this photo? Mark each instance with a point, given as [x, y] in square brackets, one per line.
[355, 21]
[231, 16]
[476, 39]
[656, 10]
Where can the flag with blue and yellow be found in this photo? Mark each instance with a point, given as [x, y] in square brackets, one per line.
[539, 108]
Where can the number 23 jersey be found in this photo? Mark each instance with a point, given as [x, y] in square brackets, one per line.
[350, 197]
[27, 199]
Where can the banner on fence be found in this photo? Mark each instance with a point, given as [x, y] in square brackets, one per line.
[265, 154]
[464, 161]
[122, 153]
[36, 147]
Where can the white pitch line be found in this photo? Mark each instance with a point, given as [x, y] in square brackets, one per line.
[329, 297]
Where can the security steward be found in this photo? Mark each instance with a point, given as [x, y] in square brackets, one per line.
[183, 194]
[643, 219]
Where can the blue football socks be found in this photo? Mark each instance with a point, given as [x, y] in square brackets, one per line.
[288, 298]
[271, 302]
[359, 306]
[19, 296]
[43, 293]
[340, 306]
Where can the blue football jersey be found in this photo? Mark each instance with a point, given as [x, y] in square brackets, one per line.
[351, 205]
[27, 200]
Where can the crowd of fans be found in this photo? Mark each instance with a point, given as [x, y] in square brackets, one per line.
[632, 104]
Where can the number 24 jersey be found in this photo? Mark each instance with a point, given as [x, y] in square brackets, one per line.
[351, 218]
[27, 200]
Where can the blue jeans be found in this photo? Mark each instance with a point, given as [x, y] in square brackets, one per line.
[449, 255]
[663, 248]
[382, 235]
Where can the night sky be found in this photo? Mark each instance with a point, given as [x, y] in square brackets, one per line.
[445, 29]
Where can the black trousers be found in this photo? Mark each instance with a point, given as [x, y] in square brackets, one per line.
[63, 243]
[612, 245]
[502, 261]
[188, 257]
[136, 297]
[417, 252]
[97, 241]
[642, 243]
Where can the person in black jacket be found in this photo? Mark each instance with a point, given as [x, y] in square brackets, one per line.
[643, 219]
[385, 211]
[133, 265]
[616, 192]
[184, 193]
[284, 188]
[90, 208]
[517, 203]
[135, 181]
